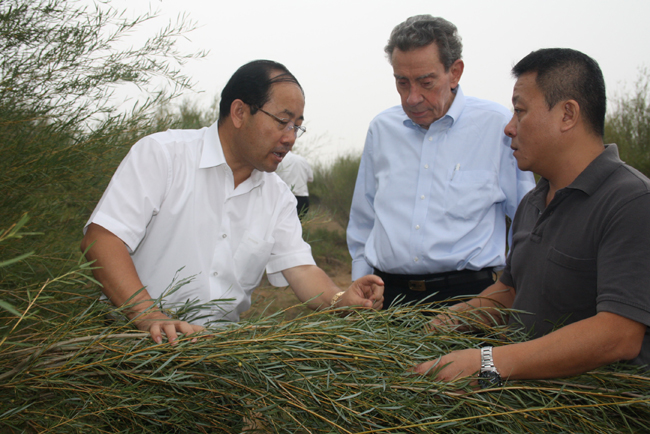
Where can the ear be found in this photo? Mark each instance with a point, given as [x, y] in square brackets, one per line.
[456, 72]
[238, 112]
[570, 115]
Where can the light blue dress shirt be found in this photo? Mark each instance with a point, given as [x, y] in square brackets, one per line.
[431, 201]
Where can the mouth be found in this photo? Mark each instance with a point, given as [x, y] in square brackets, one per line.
[417, 114]
[279, 155]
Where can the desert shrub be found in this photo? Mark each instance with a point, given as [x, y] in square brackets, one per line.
[628, 125]
[333, 186]
[187, 115]
[318, 373]
[61, 132]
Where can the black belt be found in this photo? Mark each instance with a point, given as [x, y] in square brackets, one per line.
[427, 282]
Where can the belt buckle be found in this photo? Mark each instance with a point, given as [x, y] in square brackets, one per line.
[417, 285]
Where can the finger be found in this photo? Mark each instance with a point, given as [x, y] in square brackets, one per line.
[155, 333]
[189, 329]
[170, 331]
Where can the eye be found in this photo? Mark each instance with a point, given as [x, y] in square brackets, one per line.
[427, 83]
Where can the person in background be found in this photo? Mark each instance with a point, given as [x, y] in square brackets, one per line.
[437, 176]
[579, 267]
[296, 172]
[201, 208]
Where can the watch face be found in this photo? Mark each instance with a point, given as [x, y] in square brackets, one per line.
[489, 379]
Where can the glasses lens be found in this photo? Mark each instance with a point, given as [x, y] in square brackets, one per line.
[300, 131]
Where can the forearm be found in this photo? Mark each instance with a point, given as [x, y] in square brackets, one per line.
[309, 281]
[114, 269]
[574, 349]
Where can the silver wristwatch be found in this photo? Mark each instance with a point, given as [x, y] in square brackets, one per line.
[488, 375]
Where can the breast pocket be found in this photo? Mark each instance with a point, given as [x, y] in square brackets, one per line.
[471, 193]
[250, 259]
[570, 282]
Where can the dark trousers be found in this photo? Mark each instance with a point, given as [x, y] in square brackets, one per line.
[399, 288]
[303, 205]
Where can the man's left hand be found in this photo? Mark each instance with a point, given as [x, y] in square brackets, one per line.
[368, 292]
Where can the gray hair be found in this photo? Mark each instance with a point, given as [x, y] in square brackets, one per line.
[422, 30]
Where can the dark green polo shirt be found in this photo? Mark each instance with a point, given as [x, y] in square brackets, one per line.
[587, 252]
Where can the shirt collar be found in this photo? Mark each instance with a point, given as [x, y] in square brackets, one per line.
[456, 108]
[212, 156]
[598, 170]
[588, 181]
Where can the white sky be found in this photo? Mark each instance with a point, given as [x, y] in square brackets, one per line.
[335, 49]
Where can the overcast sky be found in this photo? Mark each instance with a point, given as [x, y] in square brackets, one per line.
[335, 48]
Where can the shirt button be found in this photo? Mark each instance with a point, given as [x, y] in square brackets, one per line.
[431, 138]
[224, 236]
[416, 259]
[426, 166]
[215, 274]
[422, 197]
[417, 227]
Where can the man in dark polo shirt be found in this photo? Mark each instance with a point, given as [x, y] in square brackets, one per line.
[579, 266]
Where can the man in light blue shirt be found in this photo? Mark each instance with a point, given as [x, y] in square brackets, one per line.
[437, 176]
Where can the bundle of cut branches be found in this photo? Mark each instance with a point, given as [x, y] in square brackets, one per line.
[320, 373]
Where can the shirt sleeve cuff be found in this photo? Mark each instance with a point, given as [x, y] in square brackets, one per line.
[625, 309]
[130, 239]
[360, 268]
[276, 266]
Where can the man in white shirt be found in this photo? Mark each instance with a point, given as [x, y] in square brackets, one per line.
[194, 216]
[296, 172]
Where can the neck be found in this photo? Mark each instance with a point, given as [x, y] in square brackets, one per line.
[240, 172]
[571, 163]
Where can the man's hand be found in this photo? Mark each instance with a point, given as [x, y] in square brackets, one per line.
[368, 292]
[443, 322]
[157, 323]
[460, 364]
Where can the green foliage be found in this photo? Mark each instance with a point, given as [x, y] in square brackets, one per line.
[319, 373]
[333, 186]
[628, 125]
[62, 133]
[188, 115]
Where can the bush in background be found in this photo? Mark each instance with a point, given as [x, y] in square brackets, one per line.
[628, 125]
[333, 186]
[62, 133]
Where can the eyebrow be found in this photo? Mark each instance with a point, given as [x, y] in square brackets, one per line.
[422, 77]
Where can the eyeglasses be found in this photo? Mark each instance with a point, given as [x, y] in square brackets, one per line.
[287, 125]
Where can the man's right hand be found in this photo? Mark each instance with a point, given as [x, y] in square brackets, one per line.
[157, 323]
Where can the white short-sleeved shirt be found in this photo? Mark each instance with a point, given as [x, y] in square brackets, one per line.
[296, 172]
[173, 203]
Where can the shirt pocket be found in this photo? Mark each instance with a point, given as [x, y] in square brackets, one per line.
[250, 260]
[569, 283]
[471, 193]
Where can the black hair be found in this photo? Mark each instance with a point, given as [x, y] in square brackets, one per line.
[252, 83]
[564, 74]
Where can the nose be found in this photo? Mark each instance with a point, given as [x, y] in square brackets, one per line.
[288, 137]
[510, 129]
[414, 97]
